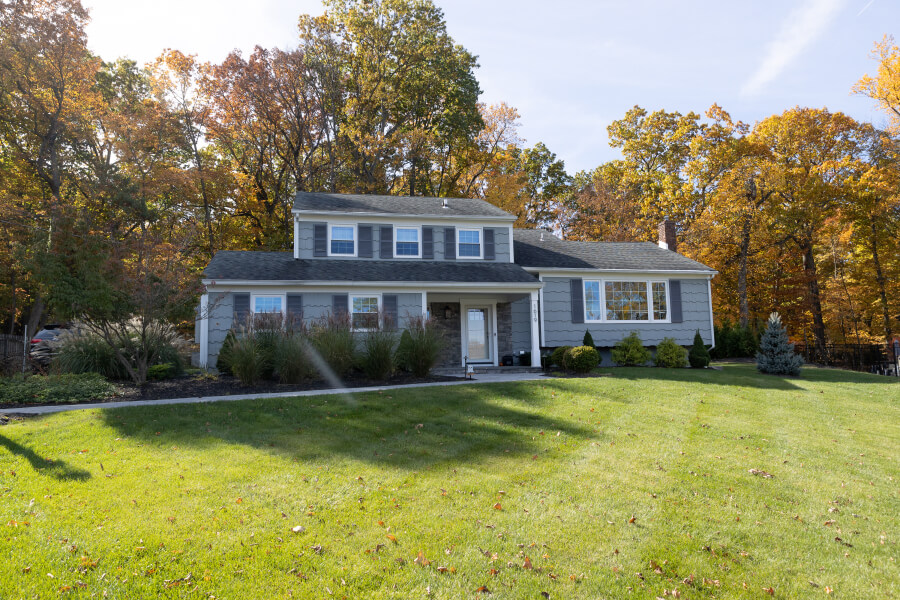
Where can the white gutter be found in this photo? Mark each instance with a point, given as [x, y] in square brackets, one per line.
[369, 284]
[554, 271]
[712, 327]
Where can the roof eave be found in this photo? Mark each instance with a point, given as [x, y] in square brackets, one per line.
[708, 272]
[353, 283]
[342, 213]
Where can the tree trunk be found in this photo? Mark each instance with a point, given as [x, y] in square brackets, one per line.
[37, 312]
[815, 298]
[742, 274]
[880, 279]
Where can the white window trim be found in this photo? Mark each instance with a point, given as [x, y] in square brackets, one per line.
[418, 230]
[648, 282]
[355, 238]
[253, 298]
[350, 298]
[480, 231]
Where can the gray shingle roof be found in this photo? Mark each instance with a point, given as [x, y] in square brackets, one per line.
[555, 253]
[398, 205]
[282, 266]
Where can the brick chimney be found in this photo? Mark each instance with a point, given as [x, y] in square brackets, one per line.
[667, 239]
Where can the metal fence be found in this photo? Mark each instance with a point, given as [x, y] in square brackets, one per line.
[869, 358]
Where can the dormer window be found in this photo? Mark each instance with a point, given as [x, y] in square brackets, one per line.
[342, 240]
[468, 243]
[407, 243]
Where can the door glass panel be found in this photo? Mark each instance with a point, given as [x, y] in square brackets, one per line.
[477, 334]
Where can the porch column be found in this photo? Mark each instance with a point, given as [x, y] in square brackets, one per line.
[535, 331]
[204, 331]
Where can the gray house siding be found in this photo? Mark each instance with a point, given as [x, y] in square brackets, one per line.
[221, 314]
[561, 331]
[305, 241]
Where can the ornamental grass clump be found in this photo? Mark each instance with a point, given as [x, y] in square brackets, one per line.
[670, 355]
[420, 346]
[248, 360]
[291, 362]
[630, 351]
[332, 339]
[582, 359]
[776, 354]
[377, 353]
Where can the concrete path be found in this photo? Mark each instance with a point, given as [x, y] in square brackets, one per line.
[485, 378]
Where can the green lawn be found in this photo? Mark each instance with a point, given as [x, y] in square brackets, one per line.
[199, 501]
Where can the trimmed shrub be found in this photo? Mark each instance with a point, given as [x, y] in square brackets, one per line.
[699, 355]
[68, 387]
[423, 346]
[776, 353]
[588, 339]
[582, 359]
[290, 361]
[630, 351]
[223, 361]
[670, 355]
[558, 357]
[377, 356]
[332, 339]
[158, 372]
[247, 360]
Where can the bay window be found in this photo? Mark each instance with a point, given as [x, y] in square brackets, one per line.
[625, 301]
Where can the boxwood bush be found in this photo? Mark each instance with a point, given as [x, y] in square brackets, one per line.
[582, 359]
[669, 354]
[630, 351]
[558, 357]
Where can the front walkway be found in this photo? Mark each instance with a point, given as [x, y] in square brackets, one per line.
[483, 378]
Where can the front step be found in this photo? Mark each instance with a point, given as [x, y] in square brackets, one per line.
[484, 370]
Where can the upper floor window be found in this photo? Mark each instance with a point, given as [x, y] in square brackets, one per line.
[407, 243]
[469, 243]
[631, 301]
[342, 240]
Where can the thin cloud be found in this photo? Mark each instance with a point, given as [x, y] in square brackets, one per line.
[798, 31]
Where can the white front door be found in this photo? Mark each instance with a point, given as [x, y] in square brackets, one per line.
[478, 333]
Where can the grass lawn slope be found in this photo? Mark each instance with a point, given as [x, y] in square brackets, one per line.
[629, 486]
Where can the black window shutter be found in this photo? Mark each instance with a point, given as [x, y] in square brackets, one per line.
[387, 242]
[389, 308]
[295, 306]
[339, 303]
[241, 309]
[675, 300]
[450, 243]
[320, 240]
[576, 291]
[427, 243]
[489, 244]
[365, 241]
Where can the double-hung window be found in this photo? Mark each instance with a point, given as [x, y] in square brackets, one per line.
[625, 301]
[364, 312]
[469, 243]
[268, 304]
[342, 240]
[268, 311]
[407, 243]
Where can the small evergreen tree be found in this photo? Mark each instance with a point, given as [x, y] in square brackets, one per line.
[588, 339]
[776, 354]
[630, 351]
[699, 355]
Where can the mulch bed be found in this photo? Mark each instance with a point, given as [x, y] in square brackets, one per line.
[193, 386]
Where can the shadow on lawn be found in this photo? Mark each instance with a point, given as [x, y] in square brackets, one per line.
[57, 469]
[412, 428]
[732, 374]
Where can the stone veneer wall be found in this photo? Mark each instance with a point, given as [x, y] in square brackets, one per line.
[450, 328]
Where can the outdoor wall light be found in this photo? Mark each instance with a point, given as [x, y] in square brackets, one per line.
[448, 312]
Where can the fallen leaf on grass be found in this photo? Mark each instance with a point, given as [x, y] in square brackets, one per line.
[392, 538]
[769, 590]
[527, 565]
[761, 473]
[298, 529]
[421, 560]
[483, 590]
[498, 506]
[631, 520]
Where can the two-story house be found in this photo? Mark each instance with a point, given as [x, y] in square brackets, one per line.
[494, 290]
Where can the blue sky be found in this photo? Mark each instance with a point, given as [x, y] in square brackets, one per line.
[572, 67]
